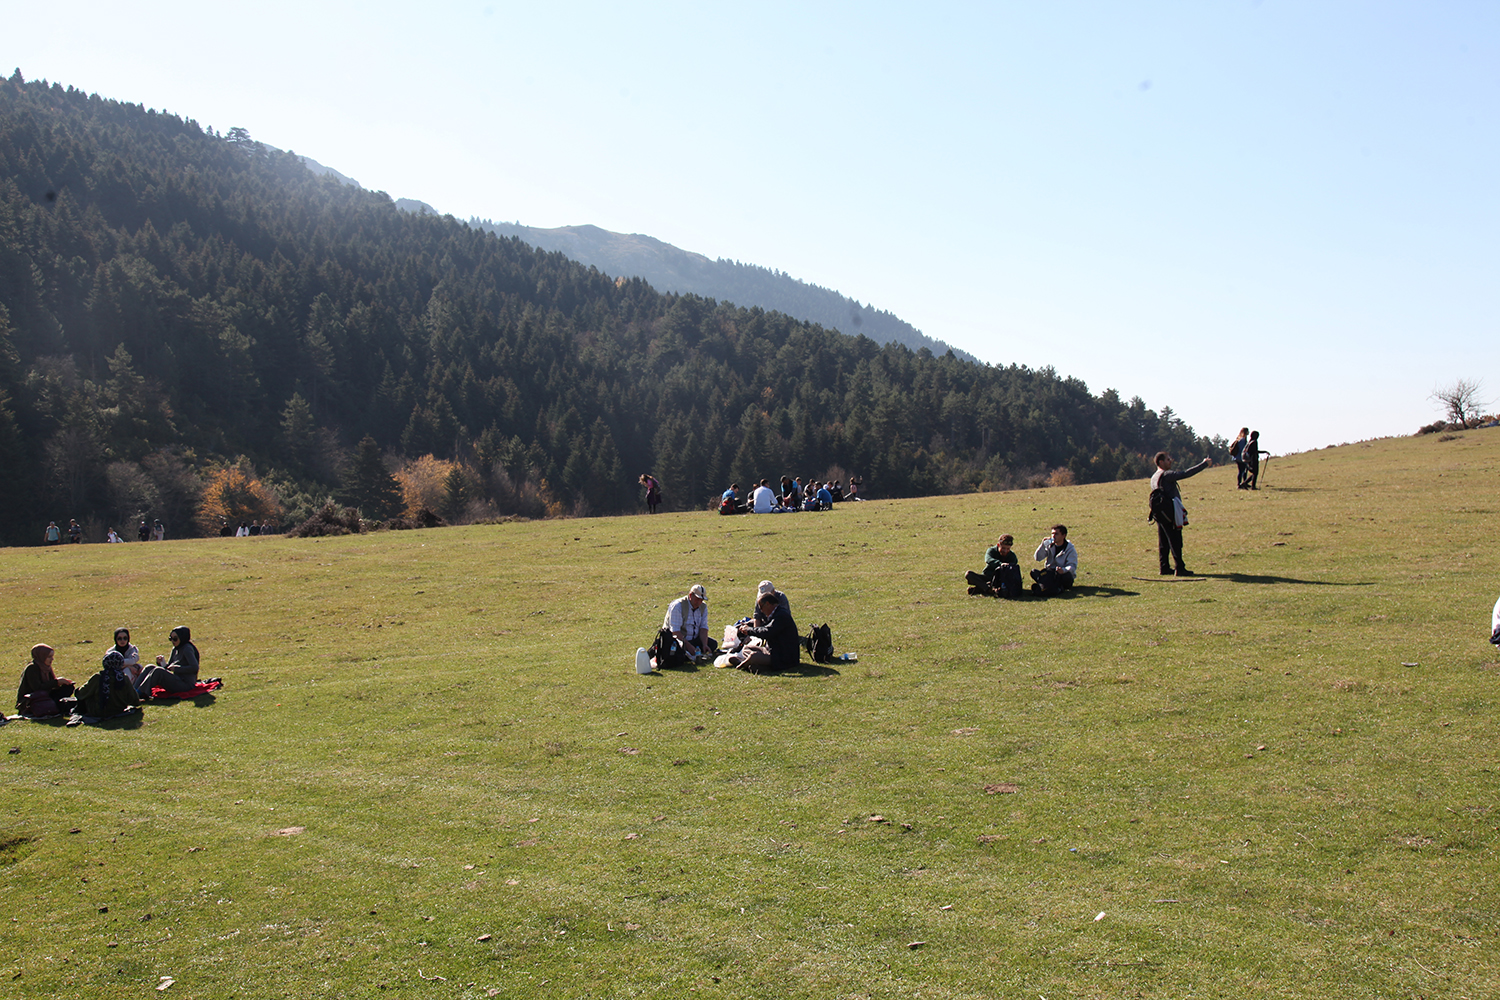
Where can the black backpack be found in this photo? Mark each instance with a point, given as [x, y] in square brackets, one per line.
[1007, 582]
[1159, 508]
[666, 650]
[819, 643]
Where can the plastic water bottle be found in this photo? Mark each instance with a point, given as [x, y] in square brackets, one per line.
[849, 658]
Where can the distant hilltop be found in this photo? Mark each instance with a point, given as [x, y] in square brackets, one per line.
[671, 269]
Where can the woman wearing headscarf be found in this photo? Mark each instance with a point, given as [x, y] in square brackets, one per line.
[109, 692]
[178, 673]
[45, 687]
[129, 653]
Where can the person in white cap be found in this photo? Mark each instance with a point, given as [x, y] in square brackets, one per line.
[687, 620]
[767, 587]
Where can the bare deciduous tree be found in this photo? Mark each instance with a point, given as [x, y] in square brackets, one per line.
[1461, 399]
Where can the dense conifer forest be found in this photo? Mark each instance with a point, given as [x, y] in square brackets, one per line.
[670, 269]
[195, 327]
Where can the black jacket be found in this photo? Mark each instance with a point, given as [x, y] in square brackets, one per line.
[780, 634]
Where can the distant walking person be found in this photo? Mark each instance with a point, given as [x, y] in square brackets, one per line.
[1252, 462]
[653, 492]
[1237, 452]
[1169, 513]
[143, 533]
[75, 532]
[53, 534]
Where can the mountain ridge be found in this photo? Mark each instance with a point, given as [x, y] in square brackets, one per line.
[669, 268]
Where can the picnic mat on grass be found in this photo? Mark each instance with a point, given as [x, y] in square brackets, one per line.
[202, 687]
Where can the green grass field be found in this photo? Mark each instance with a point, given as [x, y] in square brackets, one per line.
[433, 757]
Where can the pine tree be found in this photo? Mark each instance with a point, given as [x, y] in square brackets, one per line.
[369, 486]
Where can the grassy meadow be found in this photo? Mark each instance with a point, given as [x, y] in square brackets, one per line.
[433, 771]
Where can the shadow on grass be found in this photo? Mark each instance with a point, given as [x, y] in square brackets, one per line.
[43, 720]
[133, 720]
[1091, 591]
[686, 667]
[800, 670]
[804, 670]
[1253, 578]
[198, 701]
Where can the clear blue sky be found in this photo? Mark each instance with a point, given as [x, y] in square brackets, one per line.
[1278, 214]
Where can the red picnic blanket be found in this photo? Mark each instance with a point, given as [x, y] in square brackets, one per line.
[202, 687]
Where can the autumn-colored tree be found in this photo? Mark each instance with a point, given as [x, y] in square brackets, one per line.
[424, 483]
[234, 494]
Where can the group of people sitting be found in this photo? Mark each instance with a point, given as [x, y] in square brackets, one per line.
[1002, 570]
[119, 685]
[765, 641]
[794, 496]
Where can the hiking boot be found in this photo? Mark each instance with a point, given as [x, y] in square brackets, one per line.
[974, 591]
[1185, 572]
[1166, 571]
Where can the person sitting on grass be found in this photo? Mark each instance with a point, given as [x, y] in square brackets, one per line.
[177, 674]
[1061, 563]
[109, 692]
[129, 653]
[1002, 572]
[687, 622]
[762, 499]
[41, 692]
[782, 646]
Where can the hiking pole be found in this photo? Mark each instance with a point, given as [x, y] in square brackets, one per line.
[1265, 464]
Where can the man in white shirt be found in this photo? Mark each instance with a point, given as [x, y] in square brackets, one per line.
[687, 620]
[762, 499]
[1061, 560]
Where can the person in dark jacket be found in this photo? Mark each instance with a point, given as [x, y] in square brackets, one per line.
[782, 644]
[997, 580]
[109, 692]
[178, 673]
[39, 679]
[1171, 516]
[1251, 457]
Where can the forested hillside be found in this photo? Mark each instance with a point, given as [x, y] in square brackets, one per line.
[193, 326]
[671, 269]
